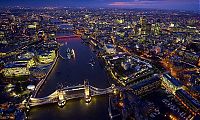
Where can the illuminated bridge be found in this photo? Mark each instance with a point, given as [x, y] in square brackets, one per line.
[67, 37]
[60, 96]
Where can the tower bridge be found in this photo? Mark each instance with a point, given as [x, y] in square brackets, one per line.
[61, 96]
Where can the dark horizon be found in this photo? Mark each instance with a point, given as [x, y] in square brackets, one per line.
[129, 4]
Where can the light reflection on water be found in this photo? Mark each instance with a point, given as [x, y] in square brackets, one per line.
[73, 110]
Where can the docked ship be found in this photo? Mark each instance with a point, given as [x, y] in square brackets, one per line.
[70, 53]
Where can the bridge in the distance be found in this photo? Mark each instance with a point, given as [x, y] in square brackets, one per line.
[60, 96]
[67, 37]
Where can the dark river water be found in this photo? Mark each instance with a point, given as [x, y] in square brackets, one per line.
[74, 72]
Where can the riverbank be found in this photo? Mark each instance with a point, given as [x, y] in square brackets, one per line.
[37, 88]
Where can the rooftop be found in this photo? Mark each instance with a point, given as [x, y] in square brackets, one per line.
[172, 80]
[188, 97]
[145, 82]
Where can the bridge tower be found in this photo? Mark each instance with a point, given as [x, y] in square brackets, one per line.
[87, 91]
[61, 98]
[114, 89]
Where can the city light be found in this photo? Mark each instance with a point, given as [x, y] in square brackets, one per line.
[99, 59]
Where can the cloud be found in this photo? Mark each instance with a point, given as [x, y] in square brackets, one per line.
[125, 4]
[133, 3]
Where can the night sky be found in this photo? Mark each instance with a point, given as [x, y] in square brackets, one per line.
[160, 4]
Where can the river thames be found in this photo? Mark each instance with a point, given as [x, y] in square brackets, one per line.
[74, 72]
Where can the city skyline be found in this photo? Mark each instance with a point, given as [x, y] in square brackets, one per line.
[130, 4]
[99, 60]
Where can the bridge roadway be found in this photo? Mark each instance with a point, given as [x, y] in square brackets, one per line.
[68, 94]
[67, 37]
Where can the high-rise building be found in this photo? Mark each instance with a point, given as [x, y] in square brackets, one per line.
[143, 23]
[157, 29]
[148, 28]
[137, 29]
